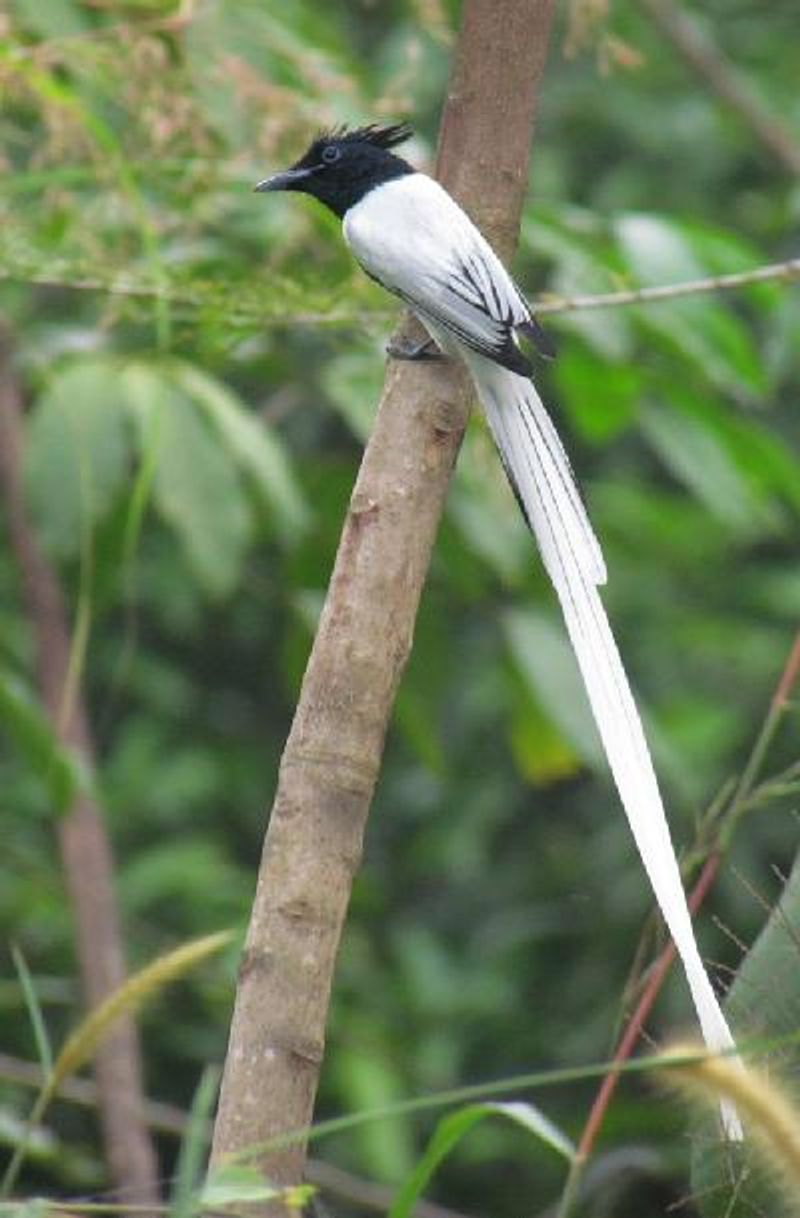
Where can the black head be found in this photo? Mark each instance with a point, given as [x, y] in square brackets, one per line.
[341, 166]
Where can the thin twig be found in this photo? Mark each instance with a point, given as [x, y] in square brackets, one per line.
[787, 271]
[705, 58]
[119, 31]
[656, 978]
[166, 1118]
[545, 304]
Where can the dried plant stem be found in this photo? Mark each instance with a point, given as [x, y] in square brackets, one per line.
[656, 977]
[85, 849]
[722, 78]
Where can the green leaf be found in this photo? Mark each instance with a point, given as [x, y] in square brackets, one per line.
[543, 657]
[43, 1047]
[56, 19]
[353, 383]
[196, 487]
[230, 1184]
[191, 1158]
[22, 714]
[584, 263]
[695, 455]
[255, 448]
[655, 250]
[76, 452]
[763, 1003]
[598, 414]
[702, 328]
[541, 753]
[451, 1129]
[482, 505]
[366, 1072]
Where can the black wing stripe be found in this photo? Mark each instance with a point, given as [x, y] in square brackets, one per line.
[469, 296]
[498, 346]
[481, 273]
[467, 271]
[496, 297]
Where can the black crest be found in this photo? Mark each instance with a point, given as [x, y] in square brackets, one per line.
[379, 136]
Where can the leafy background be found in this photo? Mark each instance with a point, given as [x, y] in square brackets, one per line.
[201, 366]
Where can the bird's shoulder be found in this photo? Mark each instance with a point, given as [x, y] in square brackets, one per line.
[415, 225]
[394, 210]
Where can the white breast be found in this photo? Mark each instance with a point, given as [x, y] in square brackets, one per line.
[403, 229]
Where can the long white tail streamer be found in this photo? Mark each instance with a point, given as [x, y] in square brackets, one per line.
[540, 472]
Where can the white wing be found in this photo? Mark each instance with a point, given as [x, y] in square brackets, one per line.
[415, 240]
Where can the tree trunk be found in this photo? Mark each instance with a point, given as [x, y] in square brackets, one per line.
[332, 756]
[85, 849]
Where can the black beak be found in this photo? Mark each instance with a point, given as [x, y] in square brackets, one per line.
[290, 179]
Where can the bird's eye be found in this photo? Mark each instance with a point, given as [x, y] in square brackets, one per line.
[331, 154]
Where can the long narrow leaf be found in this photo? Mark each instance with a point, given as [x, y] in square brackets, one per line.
[451, 1129]
[81, 1044]
[185, 1199]
[22, 715]
[28, 986]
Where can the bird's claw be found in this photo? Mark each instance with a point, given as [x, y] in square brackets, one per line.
[426, 349]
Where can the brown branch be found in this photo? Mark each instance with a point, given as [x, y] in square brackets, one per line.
[85, 849]
[332, 757]
[723, 80]
[788, 680]
[656, 977]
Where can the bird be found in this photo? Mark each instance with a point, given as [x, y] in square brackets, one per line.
[409, 234]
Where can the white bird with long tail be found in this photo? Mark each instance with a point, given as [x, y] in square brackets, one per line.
[409, 234]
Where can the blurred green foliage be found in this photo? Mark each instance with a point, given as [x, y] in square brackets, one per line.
[763, 1000]
[201, 366]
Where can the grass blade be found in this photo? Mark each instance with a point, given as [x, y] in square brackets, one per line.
[185, 1196]
[28, 987]
[80, 1045]
[451, 1129]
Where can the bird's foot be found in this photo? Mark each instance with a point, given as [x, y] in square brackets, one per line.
[425, 349]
